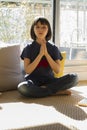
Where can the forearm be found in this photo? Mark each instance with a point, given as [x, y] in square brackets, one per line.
[31, 67]
[54, 66]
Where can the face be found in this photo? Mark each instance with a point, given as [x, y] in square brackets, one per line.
[40, 30]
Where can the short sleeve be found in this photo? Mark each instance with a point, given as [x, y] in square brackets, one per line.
[57, 54]
[25, 53]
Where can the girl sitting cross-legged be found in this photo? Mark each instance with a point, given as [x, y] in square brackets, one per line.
[41, 58]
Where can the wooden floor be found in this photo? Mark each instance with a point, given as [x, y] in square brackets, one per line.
[82, 83]
[49, 113]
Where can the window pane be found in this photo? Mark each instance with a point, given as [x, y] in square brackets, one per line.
[73, 28]
[16, 18]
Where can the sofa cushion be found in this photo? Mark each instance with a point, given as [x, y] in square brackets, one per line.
[10, 67]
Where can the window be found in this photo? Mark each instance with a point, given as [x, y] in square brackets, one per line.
[16, 18]
[73, 33]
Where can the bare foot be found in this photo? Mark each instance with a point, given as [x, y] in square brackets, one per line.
[64, 92]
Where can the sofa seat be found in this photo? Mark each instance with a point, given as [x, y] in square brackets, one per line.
[50, 113]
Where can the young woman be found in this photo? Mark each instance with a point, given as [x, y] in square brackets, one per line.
[41, 58]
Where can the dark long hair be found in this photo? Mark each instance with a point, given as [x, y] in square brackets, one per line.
[43, 21]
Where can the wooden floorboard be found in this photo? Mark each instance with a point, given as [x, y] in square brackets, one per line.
[82, 83]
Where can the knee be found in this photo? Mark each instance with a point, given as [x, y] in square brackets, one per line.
[22, 88]
[74, 77]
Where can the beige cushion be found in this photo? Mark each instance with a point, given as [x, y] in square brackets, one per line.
[10, 67]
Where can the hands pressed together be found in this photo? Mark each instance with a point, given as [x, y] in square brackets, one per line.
[43, 49]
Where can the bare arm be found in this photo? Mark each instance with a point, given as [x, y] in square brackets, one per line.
[30, 67]
[55, 65]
